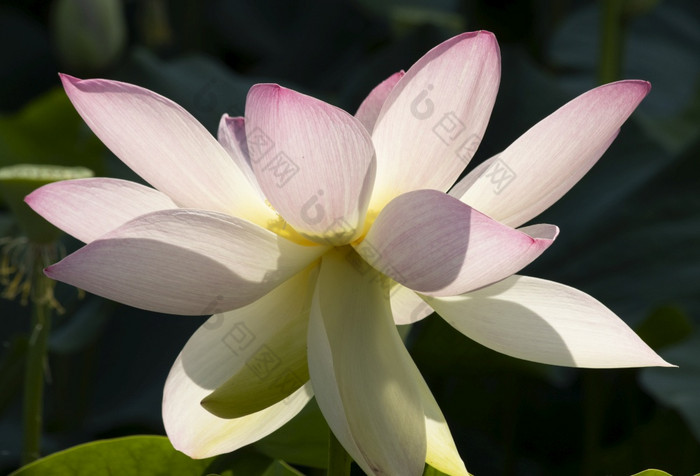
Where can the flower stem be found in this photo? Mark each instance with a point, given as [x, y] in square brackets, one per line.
[339, 461]
[34, 375]
[610, 66]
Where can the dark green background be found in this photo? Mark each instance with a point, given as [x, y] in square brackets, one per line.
[630, 230]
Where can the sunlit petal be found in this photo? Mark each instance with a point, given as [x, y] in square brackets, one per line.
[89, 208]
[181, 261]
[545, 162]
[548, 322]
[433, 120]
[166, 146]
[224, 346]
[314, 162]
[357, 363]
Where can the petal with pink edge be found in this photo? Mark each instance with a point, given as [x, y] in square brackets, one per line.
[231, 136]
[368, 111]
[184, 261]
[166, 146]
[314, 162]
[89, 208]
[550, 158]
[547, 322]
[434, 118]
[226, 345]
[358, 366]
[434, 244]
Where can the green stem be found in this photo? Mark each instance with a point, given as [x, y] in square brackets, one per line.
[34, 375]
[339, 461]
[611, 41]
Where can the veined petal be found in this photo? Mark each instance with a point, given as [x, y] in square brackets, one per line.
[368, 111]
[231, 136]
[166, 146]
[357, 362]
[436, 245]
[547, 322]
[433, 120]
[268, 347]
[225, 345]
[182, 261]
[550, 158]
[406, 306]
[314, 162]
[89, 208]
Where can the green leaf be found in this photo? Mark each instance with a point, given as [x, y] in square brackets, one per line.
[665, 326]
[152, 455]
[280, 468]
[49, 131]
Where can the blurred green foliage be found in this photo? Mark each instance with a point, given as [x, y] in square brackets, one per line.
[630, 228]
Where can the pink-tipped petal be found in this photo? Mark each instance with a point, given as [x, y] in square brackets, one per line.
[433, 120]
[89, 208]
[231, 135]
[166, 146]
[544, 163]
[436, 245]
[181, 261]
[314, 162]
[369, 110]
[547, 322]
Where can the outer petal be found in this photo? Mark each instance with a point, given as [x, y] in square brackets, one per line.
[543, 321]
[166, 146]
[406, 306]
[545, 162]
[225, 345]
[232, 137]
[271, 341]
[183, 261]
[89, 208]
[357, 362]
[369, 110]
[433, 120]
[435, 244]
[314, 162]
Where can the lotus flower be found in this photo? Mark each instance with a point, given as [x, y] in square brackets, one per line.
[308, 233]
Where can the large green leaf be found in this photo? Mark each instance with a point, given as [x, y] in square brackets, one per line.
[49, 131]
[151, 455]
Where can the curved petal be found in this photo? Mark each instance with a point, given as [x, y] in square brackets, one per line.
[406, 306]
[357, 363]
[231, 136]
[441, 451]
[368, 111]
[434, 244]
[89, 208]
[550, 158]
[181, 261]
[226, 344]
[433, 120]
[314, 162]
[547, 322]
[268, 349]
[166, 146]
